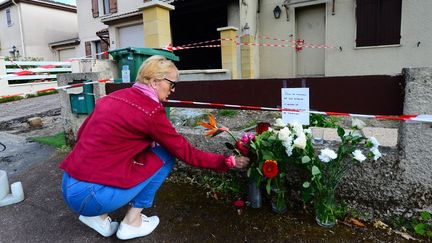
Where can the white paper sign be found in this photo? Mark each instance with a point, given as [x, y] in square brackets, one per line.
[298, 99]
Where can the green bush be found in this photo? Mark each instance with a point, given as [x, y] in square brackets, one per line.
[318, 120]
[227, 112]
[10, 99]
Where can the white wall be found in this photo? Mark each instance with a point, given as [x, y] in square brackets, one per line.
[416, 26]
[9, 36]
[88, 26]
[39, 30]
[276, 62]
[341, 31]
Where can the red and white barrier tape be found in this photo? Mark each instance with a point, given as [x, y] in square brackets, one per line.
[59, 88]
[409, 118]
[171, 48]
[298, 45]
[45, 68]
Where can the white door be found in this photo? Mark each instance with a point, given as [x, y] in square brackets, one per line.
[131, 36]
[310, 27]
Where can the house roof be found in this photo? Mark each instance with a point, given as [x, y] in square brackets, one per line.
[43, 3]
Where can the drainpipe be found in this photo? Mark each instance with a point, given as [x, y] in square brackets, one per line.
[21, 28]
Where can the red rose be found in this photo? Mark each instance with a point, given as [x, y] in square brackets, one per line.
[262, 127]
[270, 168]
[242, 148]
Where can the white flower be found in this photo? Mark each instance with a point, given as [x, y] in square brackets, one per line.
[358, 155]
[375, 142]
[284, 134]
[279, 123]
[300, 142]
[376, 153]
[357, 124]
[327, 155]
[297, 127]
[288, 146]
[307, 131]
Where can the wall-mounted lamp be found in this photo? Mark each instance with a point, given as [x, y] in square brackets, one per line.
[286, 6]
[14, 53]
[277, 12]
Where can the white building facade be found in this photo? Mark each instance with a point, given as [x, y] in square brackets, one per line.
[29, 26]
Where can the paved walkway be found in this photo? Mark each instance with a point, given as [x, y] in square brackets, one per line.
[28, 107]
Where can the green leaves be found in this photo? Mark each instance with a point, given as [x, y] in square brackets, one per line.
[340, 132]
[268, 186]
[425, 215]
[315, 171]
[424, 227]
[420, 229]
[305, 159]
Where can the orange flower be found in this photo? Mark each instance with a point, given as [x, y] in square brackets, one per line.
[270, 168]
[212, 127]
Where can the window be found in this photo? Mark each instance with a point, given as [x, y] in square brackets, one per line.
[106, 6]
[378, 22]
[98, 49]
[8, 17]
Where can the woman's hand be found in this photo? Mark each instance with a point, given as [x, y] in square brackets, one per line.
[241, 162]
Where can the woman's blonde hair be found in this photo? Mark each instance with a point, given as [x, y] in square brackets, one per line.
[155, 67]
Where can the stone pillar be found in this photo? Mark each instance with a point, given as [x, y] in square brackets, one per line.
[415, 139]
[247, 57]
[72, 121]
[157, 29]
[229, 50]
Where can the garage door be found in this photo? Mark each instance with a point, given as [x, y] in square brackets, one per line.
[131, 36]
[66, 54]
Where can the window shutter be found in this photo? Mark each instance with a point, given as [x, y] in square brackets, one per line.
[104, 47]
[113, 6]
[88, 48]
[95, 8]
[390, 22]
[367, 22]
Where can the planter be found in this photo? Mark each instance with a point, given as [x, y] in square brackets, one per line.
[325, 206]
[254, 195]
[278, 201]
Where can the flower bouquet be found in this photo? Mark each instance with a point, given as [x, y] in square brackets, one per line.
[328, 168]
[269, 150]
[272, 148]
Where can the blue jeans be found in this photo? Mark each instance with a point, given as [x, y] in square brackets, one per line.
[90, 199]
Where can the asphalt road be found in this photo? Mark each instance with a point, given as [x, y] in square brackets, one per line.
[21, 152]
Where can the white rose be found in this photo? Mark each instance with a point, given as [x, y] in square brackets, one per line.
[297, 127]
[279, 123]
[357, 124]
[375, 142]
[284, 134]
[376, 153]
[300, 142]
[327, 155]
[358, 155]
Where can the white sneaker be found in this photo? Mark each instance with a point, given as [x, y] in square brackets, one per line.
[148, 224]
[103, 227]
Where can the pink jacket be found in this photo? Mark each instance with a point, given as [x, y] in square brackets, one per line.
[112, 143]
